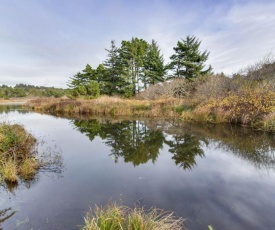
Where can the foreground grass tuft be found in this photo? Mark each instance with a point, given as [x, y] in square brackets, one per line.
[119, 217]
[17, 153]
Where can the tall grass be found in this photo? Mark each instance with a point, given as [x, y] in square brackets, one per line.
[108, 106]
[119, 217]
[17, 153]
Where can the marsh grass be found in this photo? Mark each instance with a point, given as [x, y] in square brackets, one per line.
[108, 106]
[119, 217]
[17, 153]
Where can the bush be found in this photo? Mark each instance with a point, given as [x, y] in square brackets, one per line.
[213, 87]
[249, 107]
[177, 88]
[90, 90]
[261, 70]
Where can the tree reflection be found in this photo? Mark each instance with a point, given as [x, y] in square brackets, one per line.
[185, 149]
[131, 140]
[137, 143]
[5, 109]
[140, 141]
[5, 214]
[254, 146]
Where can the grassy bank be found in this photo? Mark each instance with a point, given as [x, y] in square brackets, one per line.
[247, 98]
[109, 106]
[118, 217]
[17, 153]
[253, 108]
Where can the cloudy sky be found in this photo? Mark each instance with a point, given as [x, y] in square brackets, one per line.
[45, 42]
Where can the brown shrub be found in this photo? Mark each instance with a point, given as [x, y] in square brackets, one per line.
[213, 87]
[177, 88]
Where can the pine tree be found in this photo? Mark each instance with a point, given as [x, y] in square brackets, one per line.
[133, 55]
[188, 61]
[85, 83]
[82, 78]
[113, 80]
[153, 65]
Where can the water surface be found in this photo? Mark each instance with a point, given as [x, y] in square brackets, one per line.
[211, 175]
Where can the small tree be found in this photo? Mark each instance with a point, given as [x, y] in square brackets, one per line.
[93, 90]
[188, 61]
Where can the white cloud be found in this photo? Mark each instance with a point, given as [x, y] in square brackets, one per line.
[245, 36]
[52, 41]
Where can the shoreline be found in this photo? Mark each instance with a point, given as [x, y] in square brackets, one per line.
[238, 110]
[15, 101]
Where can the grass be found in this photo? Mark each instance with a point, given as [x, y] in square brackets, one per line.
[250, 108]
[253, 108]
[119, 217]
[108, 106]
[17, 153]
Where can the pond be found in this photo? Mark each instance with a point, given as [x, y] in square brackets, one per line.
[217, 175]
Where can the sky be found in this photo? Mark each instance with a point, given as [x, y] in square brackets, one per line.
[45, 42]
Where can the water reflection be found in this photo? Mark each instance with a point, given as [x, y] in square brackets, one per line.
[51, 165]
[185, 149]
[12, 187]
[5, 214]
[141, 141]
[256, 147]
[136, 143]
[5, 109]
[131, 140]
[222, 189]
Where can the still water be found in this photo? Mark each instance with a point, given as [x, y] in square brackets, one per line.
[222, 176]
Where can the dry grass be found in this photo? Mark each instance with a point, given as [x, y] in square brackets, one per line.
[250, 106]
[17, 153]
[118, 217]
[109, 106]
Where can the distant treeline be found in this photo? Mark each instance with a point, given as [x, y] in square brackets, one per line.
[23, 90]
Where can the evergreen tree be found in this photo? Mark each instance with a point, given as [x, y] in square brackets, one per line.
[153, 65]
[85, 83]
[83, 78]
[188, 61]
[76, 80]
[113, 79]
[133, 56]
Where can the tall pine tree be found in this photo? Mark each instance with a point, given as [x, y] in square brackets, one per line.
[113, 79]
[188, 61]
[154, 68]
[133, 55]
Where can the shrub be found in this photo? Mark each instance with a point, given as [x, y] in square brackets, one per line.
[213, 87]
[177, 88]
[261, 70]
[248, 107]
